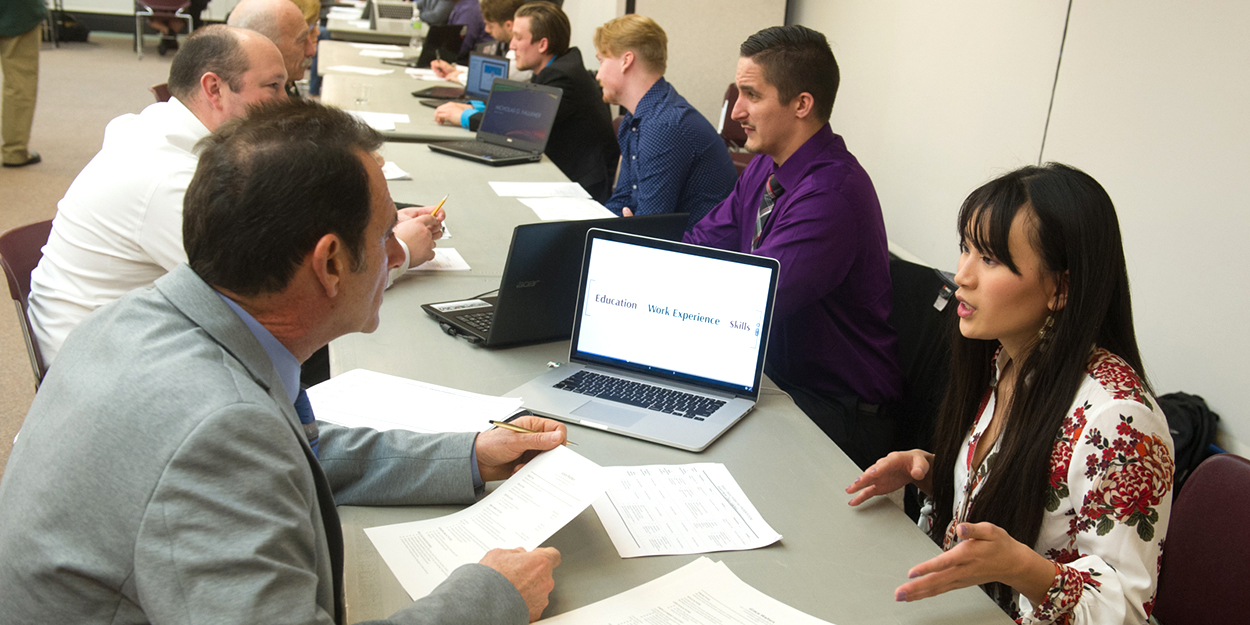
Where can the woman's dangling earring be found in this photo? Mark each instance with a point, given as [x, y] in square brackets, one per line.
[1044, 335]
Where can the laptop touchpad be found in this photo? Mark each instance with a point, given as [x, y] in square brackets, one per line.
[610, 414]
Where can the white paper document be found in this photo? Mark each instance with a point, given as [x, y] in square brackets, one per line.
[383, 54]
[566, 208]
[700, 593]
[523, 512]
[355, 69]
[371, 46]
[394, 172]
[678, 509]
[445, 259]
[345, 13]
[381, 121]
[539, 189]
[363, 398]
[422, 73]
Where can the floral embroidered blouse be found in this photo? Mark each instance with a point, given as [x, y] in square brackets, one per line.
[1107, 506]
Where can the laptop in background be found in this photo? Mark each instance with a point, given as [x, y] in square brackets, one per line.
[668, 341]
[538, 291]
[442, 42]
[515, 125]
[483, 70]
[389, 16]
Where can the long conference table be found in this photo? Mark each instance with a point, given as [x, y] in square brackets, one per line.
[834, 562]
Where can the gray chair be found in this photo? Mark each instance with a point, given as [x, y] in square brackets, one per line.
[147, 9]
[20, 251]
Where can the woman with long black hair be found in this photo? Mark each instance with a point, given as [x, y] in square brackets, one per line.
[1051, 475]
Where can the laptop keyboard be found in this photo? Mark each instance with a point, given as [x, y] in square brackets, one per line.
[656, 398]
[478, 321]
[395, 11]
[486, 149]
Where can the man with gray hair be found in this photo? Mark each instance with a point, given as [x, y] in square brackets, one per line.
[119, 226]
[283, 23]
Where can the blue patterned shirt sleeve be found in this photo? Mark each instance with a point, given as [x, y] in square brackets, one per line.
[672, 160]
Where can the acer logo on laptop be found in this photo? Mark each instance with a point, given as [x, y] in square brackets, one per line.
[527, 284]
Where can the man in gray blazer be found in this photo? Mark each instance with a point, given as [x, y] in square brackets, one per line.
[164, 474]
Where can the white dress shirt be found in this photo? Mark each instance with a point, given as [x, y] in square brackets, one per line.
[119, 226]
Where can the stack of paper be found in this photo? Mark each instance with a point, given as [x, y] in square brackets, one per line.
[699, 593]
[553, 201]
[363, 398]
[355, 69]
[445, 259]
[525, 511]
[679, 509]
[381, 122]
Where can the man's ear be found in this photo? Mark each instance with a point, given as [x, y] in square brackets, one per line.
[1060, 298]
[803, 104]
[212, 85]
[627, 60]
[330, 263]
[543, 45]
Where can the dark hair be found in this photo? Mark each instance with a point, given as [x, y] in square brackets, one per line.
[796, 59]
[500, 11]
[269, 186]
[216, 48]
[1074, 229]
[548, 21]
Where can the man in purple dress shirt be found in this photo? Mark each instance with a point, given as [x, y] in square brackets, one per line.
[805, 201]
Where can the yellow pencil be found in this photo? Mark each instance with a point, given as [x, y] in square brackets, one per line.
[516, 428]
[440, 205]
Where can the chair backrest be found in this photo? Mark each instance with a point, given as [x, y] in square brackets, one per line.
[1206, 556]
[923, 347]
[160, 91]
[730, 130]
[164, 6]
[20, 251]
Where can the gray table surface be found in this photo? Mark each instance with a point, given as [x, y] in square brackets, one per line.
[334, 53]
[391, 95]
[344, 30]
[834, 562]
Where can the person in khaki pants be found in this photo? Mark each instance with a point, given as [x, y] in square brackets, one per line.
[21, 24]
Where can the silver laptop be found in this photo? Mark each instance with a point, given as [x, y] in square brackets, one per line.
[515, 125]
[668, 341]
[390, 17]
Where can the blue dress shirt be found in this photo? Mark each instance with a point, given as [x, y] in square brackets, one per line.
[672, 160]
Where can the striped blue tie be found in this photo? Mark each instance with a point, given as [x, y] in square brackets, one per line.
[303, 408]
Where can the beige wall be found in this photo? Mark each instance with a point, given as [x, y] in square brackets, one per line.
[1151, 100]
[703, 40]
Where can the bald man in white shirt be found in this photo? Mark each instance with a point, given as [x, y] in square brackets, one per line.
[119, 226]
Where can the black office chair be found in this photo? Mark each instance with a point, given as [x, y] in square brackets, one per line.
[923, 354]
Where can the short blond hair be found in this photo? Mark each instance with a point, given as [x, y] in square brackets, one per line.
[635, 33]
[311, 10]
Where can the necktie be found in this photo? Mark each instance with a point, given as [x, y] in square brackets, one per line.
[772, 189]
[303, 408]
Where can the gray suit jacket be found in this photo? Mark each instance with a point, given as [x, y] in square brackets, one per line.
[162, 476]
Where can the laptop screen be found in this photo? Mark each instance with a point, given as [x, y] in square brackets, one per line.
[483, 70]
[519, 113]
[681, 311]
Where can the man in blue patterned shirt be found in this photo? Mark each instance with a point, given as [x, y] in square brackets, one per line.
[672, 160]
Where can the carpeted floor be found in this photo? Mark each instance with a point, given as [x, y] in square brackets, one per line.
[81, 87]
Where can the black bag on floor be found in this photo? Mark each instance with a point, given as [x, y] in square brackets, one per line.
[68, 28]
[1193, 427]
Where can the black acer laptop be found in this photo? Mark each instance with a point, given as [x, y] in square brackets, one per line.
[483, 70]
[515, 125]
[538, 291]
[442, 42]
